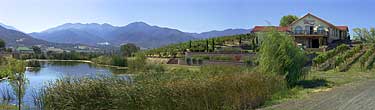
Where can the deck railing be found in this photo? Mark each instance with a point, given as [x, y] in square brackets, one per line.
[308, 32]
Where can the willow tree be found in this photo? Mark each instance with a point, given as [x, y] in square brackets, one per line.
[364, 35]
[279, 55]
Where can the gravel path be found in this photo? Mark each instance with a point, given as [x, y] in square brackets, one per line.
[355, 96]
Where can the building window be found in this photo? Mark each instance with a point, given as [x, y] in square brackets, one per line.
[298, 30]
[320, 29]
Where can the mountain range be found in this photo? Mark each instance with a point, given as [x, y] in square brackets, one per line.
[139, 33]
[8, 27]
[15, 38]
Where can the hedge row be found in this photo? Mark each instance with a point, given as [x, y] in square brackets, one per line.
[367, 55]
[351, 56]
[329, 54]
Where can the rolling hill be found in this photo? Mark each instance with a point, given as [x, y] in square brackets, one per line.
[16, 38]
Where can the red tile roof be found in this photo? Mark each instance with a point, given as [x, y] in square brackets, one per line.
[342, 28]
[264, 28]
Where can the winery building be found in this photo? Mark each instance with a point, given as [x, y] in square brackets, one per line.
[312, 32]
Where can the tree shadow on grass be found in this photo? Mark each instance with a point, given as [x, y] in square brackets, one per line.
[314, 83]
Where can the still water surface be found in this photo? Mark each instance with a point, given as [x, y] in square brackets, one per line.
[50, 71]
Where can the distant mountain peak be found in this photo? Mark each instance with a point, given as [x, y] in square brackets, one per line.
[8, 27]
[138, 24]
[81, 26]
[68, 24]
[106, 24]
[85, 24]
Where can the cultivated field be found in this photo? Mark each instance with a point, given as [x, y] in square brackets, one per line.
[348, 87]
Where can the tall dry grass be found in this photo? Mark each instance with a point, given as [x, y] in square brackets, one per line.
[214, 87]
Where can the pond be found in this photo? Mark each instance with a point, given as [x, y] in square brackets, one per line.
[50, 71]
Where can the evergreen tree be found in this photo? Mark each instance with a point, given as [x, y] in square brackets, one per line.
[213, 45]
[207, 47]
[2, 44]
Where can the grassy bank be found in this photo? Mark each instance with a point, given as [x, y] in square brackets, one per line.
[212, 87]
[111, 60]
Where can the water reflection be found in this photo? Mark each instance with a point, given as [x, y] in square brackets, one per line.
[50, 71]
[34, 70]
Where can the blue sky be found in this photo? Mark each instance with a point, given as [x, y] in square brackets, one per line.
[185, 15]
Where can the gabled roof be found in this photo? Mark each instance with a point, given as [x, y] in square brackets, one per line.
[284, 29]
[264, 28]
[343, 28]
[329, 24]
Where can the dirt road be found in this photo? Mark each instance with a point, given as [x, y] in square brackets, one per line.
[355, 96]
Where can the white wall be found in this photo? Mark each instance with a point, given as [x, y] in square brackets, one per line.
[312, 21]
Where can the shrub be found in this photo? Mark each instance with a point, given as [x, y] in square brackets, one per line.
[111, 60]
[119, 61]
[33, 63]
[138, 64]
[105, 60]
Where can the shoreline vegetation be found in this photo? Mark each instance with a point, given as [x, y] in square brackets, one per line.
[83, 61]
[212, 87]
[12, 71]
